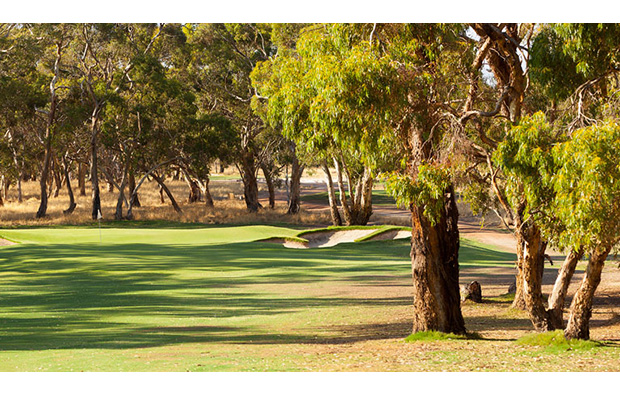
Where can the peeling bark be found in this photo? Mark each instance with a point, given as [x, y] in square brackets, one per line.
[295, 195]
[560, 288]
[335, 214]
[578, 326]
[435, 270]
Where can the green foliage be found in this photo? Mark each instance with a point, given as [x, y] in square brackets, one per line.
[525, 157]
[555, 342]
[587, 186]
[426, 191]
[551, 67]
[595, 47]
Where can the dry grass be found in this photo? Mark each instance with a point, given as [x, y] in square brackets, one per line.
[225, 211]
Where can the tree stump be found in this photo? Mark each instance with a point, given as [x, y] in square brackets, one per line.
[473, 292]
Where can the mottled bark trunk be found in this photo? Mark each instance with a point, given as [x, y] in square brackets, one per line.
[45, 174]
[135, 200]
[82, 178]
[207, 192]
[295, 192]
[57, 178]
[250, 185]
[435, 270]
[344, 201]
[194, 191]
[168, 193]
[20, 193]
[331, 194]
[531, 255]
[94, 173]
[362, 207]
[560, 288]
[270, 187]
[578, 326]
[72, 204]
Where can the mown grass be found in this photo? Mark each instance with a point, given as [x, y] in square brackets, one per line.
[210, 299]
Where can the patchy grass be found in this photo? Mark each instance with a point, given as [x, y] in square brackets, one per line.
[437, 336]
[555, 342]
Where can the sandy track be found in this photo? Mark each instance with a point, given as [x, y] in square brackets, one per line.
[4, 242]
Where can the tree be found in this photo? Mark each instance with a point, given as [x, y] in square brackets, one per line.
[225, 55]
[375, 92]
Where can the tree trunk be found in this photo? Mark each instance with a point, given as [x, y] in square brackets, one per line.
[531, 255]
[45, 174]
[346, 211]
[135, 200]
[270, 186]
[1, 185]
[208, 197]
[165, 189]
[20, 194]
[362, 209]
[82, 178]
[94, 174]
[250, 186]
[295, 192]
[72, 204]
[578, 326]
[435, 270]
[194, 190]
[57, 178]
[336, 219]
[560, 288]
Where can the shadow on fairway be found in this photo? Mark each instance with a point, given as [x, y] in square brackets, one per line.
[68, 296]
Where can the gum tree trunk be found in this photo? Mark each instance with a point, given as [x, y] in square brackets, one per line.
[578, 326]
[295, 195]
[270, 186]
[435, 270]
[560, 288]
[135, 200]
[335, 214]
[362, 207]
[531, 254]
[72, 204]
[168, 193]
[82, 178]
[250, 185]
[207, 193]
[344, 202]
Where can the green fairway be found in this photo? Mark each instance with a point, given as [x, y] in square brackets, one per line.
[380, 198]
[199, 299]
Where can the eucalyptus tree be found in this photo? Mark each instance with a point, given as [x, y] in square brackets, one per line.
[22, 91]
[225, 55]
[573, 66]
[104, 55]
[298, 90]
[378, 93]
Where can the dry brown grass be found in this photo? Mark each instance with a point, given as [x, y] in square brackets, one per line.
[225, 211]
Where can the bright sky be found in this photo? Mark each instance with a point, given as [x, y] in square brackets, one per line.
[303, 11]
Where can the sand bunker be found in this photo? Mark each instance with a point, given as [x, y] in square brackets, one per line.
[330, 238]
[4, 242]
